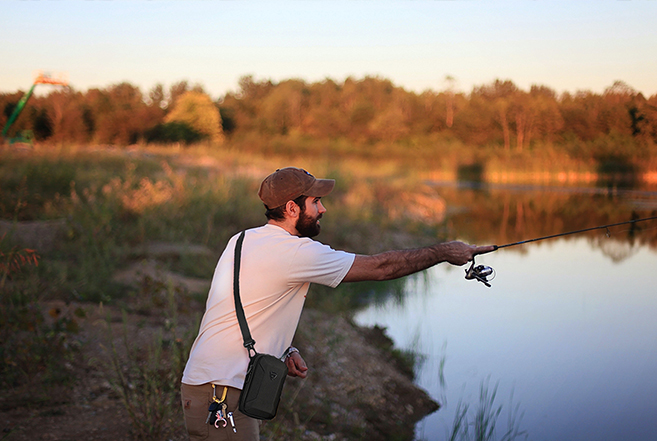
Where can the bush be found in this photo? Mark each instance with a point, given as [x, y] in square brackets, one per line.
[175, 131]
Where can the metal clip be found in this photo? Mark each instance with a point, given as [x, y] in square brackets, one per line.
[214, 394]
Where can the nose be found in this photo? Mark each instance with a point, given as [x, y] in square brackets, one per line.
[321, 207]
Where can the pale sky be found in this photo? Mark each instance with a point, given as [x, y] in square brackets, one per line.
[565, 45]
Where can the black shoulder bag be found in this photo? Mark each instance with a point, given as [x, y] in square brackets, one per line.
[266, 374]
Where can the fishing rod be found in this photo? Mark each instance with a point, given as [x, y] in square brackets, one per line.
[481, 273]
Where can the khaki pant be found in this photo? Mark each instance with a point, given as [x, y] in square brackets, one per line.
[195, 402]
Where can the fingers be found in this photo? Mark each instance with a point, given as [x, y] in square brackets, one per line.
[474, 250]
[302, 369]
[484, 249]
[298, 371]
[296, 366]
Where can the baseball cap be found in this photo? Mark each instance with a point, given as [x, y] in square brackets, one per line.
[288, 183]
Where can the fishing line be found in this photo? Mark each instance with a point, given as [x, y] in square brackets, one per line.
[485, 274]
[641, 229]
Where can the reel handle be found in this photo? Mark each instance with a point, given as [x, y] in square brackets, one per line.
[479, 273]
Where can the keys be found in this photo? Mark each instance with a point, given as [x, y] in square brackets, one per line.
[217, 415]
[212, 412]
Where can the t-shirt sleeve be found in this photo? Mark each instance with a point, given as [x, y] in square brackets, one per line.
[315, 262]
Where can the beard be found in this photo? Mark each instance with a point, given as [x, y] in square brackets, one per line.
[308, 226]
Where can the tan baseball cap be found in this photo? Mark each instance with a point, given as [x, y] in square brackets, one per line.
[287, 184]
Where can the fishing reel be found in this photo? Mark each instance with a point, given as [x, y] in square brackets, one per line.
[480, 273]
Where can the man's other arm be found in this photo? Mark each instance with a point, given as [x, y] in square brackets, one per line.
[399, 263]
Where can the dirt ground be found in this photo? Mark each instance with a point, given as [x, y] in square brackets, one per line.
[353, 388]
[88, 410]
[356, 388]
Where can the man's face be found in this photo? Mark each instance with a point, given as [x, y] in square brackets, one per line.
[308, 222]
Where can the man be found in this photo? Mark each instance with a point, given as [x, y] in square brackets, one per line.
[279, 261]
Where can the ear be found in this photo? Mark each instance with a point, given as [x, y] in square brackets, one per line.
[292, 209]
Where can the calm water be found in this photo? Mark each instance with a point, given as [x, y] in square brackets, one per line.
[568, 333]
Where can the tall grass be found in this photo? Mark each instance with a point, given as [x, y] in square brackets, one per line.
[147, 379]
[481, 424]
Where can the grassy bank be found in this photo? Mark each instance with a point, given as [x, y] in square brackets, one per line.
[72, 218]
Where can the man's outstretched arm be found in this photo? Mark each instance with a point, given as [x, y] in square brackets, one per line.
[399, 263]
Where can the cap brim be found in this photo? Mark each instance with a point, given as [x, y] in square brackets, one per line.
[320, 188]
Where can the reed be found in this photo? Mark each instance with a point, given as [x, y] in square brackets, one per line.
[481, 424]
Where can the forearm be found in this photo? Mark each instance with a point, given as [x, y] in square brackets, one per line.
[399, 263]
[395, 264]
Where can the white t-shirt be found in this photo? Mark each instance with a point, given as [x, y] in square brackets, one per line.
[275, 274]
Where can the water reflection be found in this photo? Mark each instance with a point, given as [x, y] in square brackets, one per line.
[568, 326]
[485, 213]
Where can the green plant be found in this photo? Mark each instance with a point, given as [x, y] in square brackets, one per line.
[34, 350]
[147, 379]
[38, 350]
[482, 424]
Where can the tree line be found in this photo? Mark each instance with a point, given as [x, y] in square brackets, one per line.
[361, 111]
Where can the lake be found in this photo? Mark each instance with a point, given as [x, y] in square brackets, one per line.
[567, 334]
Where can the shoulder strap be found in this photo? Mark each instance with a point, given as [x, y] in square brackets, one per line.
[249, 342]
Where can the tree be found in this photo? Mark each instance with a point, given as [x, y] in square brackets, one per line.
[324, 117]
[197, 110]
[500, 95]
[283, 108]
[549, 120]
[118, 114]
[245, 106]
[66, 114]
[449, 100]
[615, 114]
[8, 103]
[649, 124]
[156, 97]
[176, 91]
[580, 115]
[393, 121]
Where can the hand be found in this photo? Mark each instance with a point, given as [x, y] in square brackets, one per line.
[296, 367]
[460, 253]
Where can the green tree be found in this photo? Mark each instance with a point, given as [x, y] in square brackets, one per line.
[197, 110]
[283, 109]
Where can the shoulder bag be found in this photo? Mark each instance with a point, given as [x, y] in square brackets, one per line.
[266, 374]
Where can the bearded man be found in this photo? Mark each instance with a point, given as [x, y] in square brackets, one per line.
[279, 262]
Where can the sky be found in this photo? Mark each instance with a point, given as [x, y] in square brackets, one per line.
[565, 45]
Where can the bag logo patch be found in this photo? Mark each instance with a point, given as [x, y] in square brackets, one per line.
[272, 375]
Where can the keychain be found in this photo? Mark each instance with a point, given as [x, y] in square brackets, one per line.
[217, 409]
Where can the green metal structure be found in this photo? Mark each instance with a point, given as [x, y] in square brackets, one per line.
[27, 135]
